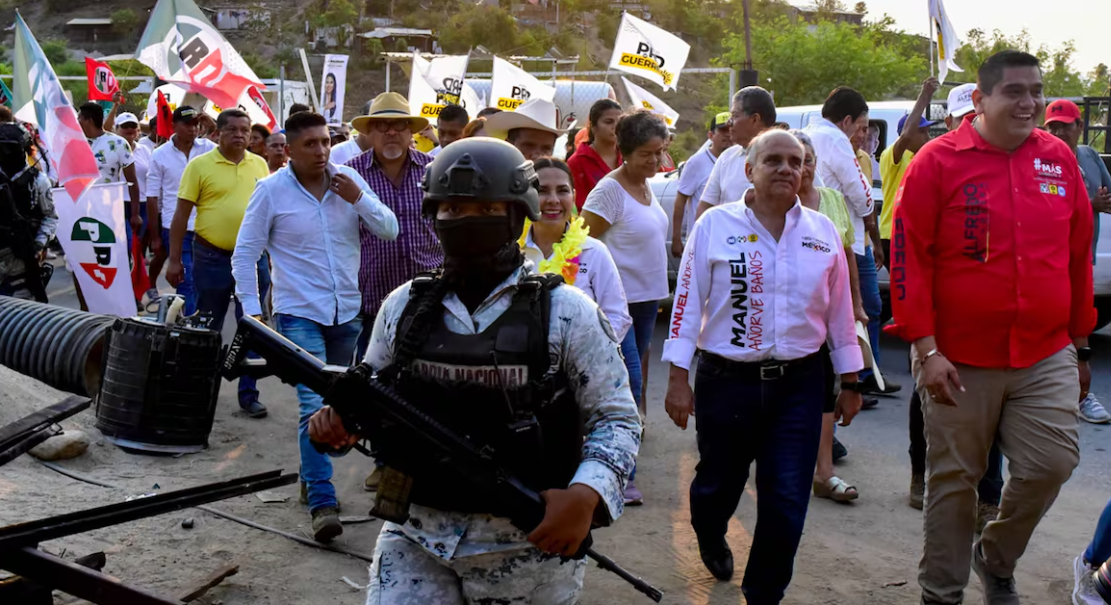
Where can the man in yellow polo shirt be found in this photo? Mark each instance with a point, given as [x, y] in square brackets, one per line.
[895, 159]
[219, 184]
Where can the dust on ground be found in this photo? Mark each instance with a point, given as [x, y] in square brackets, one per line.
[848, 552]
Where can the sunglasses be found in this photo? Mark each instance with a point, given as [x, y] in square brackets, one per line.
[388, 125]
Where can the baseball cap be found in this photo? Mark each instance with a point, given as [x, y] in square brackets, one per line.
[721, 119]
[922, 122]
[126, 118]
[960, 100]
[185, 113]
[1062, 110]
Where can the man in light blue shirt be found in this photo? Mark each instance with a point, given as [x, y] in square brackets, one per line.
[307, 216]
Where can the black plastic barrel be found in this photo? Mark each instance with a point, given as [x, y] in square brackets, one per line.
[160, 386]
[55, 345]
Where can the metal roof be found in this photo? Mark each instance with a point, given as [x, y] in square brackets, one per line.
[391, 32]
[89, 22]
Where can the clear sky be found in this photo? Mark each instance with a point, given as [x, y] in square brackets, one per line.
[1049, 22]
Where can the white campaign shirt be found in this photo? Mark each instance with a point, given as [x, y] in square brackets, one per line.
[167, 164]
[598, 278]
[727, 182]
[839, 169]
[636, 239]
[345, 152]
[746, 297]
[143, 150]
[692, 181]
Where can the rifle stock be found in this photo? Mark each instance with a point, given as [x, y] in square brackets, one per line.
[376, 402]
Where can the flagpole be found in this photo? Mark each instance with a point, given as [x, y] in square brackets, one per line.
[933, 39]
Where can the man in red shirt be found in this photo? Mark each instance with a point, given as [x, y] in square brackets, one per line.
[992, 282]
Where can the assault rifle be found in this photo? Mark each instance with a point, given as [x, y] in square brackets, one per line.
[364, 403]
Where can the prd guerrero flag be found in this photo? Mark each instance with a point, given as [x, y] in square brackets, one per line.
[38, 98]
[644, 50]
[182, 46]
[643, 99]
[437, 83]
[512, 86]
[103, 85]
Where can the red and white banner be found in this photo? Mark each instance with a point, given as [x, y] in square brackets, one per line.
[103, 85]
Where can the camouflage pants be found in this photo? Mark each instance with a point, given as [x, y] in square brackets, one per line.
[403, 573]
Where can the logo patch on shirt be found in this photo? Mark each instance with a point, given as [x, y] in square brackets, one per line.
[815, 244]
[750, 238]
[1052, 189]
[1047, 169]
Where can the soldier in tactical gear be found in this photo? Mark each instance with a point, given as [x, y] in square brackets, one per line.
[27, 218]
[516, 362]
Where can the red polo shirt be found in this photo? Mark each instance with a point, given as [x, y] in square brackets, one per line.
[993, 250]
[587, 168]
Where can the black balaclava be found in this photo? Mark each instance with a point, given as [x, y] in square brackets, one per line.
[480, 252]
[13, 152]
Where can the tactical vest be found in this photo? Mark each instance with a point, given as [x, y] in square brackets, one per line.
[501, 389]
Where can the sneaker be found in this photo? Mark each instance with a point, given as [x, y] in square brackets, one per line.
[372, 481]
[889, 387]
[253, 409]
[633, 497]
[1084, 584]
[325, 524]
[839, 449]
[917, 491]
[985, 513]
[997, 590]
[1092, 411]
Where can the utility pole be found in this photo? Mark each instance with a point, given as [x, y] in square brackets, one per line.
[749, 77]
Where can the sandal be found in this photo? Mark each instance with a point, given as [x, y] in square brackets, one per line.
[836, 489]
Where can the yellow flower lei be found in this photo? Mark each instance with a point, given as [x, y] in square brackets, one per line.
[565, 252]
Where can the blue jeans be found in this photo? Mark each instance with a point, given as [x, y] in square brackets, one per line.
[778, 424]
[215, 287]
[334, 345]
[185, 289]
[873, 304]
[637, 342]
[1099, 551]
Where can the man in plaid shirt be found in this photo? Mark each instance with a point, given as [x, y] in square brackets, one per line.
[393, 170]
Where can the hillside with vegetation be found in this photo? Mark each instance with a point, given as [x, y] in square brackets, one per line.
[799, 58]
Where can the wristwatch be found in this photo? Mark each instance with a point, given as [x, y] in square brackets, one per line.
[1083, 353]
[853, 386]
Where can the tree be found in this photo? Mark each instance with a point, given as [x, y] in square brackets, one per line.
[802, 62]
[338, 14]
[490, 26]
[124, 22]
[861, 8]
[55, 51]
[1061, 79]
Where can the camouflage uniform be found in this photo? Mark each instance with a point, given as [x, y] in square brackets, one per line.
[445, 557]
[13, 271]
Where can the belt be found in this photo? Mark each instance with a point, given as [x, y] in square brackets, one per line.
[197, 239]
[771, 369]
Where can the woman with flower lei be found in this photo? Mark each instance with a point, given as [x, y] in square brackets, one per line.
[560, 243]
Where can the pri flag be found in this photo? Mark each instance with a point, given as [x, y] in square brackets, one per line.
[182, 46]
[512, 86]
[102, 82]
[39, 99]
[437, 83]
[947, 40]
[165, 117]
[94, 238]
[644, 50]
[643, 99]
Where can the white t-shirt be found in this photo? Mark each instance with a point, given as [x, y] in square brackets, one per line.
[143, 150]
[727, 182]
[692, 181]
[636, 239]
[345, 152]
[113, 154]
[598, 278]
[839, 169]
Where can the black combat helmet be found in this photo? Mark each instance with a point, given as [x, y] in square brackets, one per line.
[481, 169]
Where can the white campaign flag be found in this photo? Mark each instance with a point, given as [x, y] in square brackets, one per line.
[512, 86]
[332, 88]
[947, 40]
[94, 238]
[644, 50]
[437, 83]
[643, 99]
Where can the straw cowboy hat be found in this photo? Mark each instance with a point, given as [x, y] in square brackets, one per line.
[537, 114]
[389, 106]
[866, 349]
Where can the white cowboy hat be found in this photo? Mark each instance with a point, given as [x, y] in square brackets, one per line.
[866, 349]
[389, 106]
[537, 114]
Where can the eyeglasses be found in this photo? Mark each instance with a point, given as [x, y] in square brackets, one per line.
[384, 126]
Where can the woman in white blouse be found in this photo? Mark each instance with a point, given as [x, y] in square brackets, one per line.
[623, 212]
[558, 243]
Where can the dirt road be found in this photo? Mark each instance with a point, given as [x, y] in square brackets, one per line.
[861, 553]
